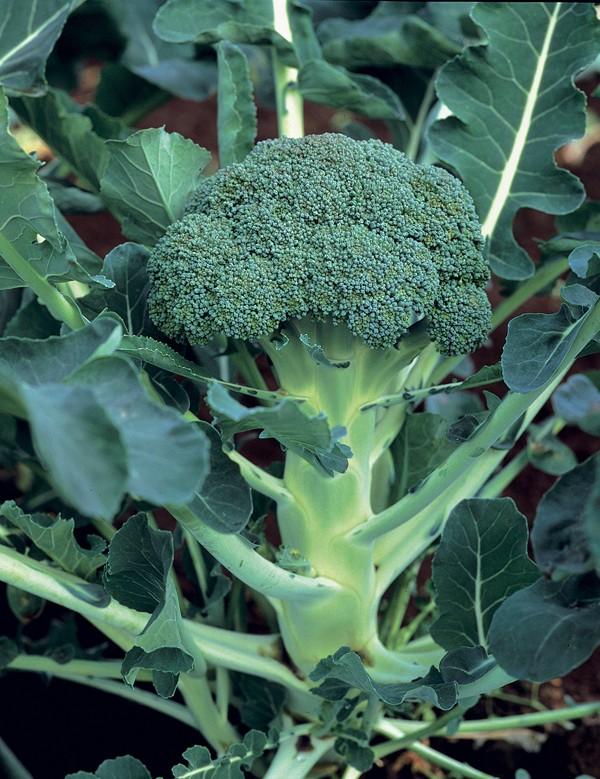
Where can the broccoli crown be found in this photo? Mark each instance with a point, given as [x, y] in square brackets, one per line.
[340, 230]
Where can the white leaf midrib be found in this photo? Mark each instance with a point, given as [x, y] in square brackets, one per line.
[512, 164]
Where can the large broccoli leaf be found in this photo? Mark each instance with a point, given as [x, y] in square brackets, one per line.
[514, 104]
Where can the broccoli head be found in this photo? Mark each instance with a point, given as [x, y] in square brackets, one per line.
[324, 226]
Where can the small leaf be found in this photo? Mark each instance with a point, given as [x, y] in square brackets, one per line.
[24, 605]
[148, 179]
[310, 437]
[28, 34]
[420, 448]
[577, 401]
[119, 768]
[322, 82]
[230, 764]
[584, 259]
[224, 500]
[317, 353]
[55, 537]
[481, 560]
[125, 266]
[262, 701]
[344, 671]
[548, 453]
[236, 118]
[536, 346]
[137, 575]
[560, 532]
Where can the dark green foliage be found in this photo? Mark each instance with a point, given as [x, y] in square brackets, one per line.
[344, 230]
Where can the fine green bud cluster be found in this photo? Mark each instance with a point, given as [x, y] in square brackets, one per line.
[325, 226]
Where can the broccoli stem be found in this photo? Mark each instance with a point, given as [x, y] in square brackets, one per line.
[324, 509]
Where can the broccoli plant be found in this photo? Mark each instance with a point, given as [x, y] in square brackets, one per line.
[354, 584]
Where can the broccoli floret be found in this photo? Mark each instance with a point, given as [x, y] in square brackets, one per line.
[324, 226]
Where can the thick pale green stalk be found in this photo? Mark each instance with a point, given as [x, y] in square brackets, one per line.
[290, 112]
[61, 307]
[324, 508]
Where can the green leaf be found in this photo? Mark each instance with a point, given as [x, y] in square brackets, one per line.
[262, 701]
[119, 768]
[168, 65]
[125, 266]
[70, 199]
[137, 575]
[69, 132]
[584, 259]
[26, 211]
[481, 560]
[577, 401]
[310, 437]
[236, 118]
[517, 88]
[224, 500]
[548, 453]
[118, 439]
[251, 21]
[187, 79]
[536, 346]
[38, 362]
[56, 538]
[148, 179]
[560, 537]
[28, 32]
[32, 320]
[421, 447]
[166, 457]
[321, 82]
[88, 465]
[545, 630]
[344, 671]
[230, 764]
[389, 36]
